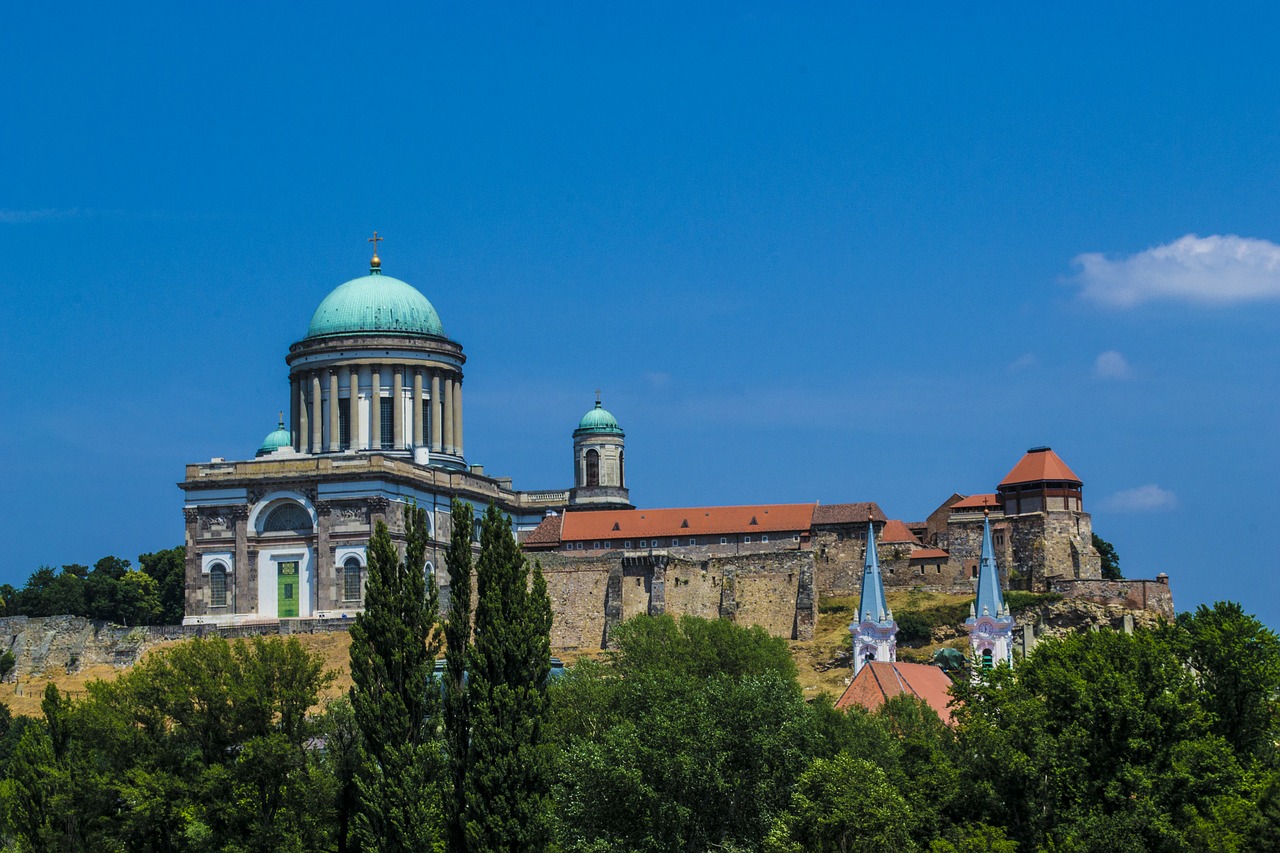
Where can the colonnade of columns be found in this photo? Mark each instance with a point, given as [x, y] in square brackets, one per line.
[435, 421]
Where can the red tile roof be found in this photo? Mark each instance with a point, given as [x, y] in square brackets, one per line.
[686, 521]
[1040, 463]
[859, 513]
[929, 554]
[546, 533]
[896, 532]
[878, 681]
[975, 502]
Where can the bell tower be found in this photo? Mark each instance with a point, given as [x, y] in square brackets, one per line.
[599, 462]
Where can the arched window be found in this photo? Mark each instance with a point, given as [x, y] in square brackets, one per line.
[622, 469]
[218, 585]
[288, 517]
[986, 659]
[593, 467]
[351, 579]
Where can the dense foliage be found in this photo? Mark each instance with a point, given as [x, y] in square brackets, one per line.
[393, 650]
[1110, 559]
[687, 735]
[112, 591]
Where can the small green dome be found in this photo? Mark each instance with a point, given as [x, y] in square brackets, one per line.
[598, 420]
[375, 303]
[275, 440]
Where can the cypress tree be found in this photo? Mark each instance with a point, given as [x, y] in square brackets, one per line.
[457, 635]
[507, 784]
[393, 650]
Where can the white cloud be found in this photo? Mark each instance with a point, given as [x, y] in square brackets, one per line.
[1217, 270]
[1148, 498]
[1112, 365]
[1026, 361]
[19, 217]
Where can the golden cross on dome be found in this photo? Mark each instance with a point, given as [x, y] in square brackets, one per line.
[375, 240]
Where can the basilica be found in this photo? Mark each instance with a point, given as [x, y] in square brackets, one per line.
[375, 422]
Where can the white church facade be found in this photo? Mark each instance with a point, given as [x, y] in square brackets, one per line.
[375, 423]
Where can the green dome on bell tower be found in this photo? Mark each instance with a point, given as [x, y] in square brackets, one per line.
[598, 419]
[276, 439]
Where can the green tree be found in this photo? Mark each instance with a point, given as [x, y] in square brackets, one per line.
[457, 632]
[698, 648]
[841, 805]
[137, 599]
[1110, 559]
[1238, 659]
[102, 589]
[1096, 741]
[169, 569]
[393, 650]
[660, 751]
[30, 791]
[508, 805]
[342, 759]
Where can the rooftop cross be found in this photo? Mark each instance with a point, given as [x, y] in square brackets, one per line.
[376, 262]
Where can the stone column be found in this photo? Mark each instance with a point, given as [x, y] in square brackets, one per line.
[322, 576]
[435, 412]
[300, 406]
[317, 434]
[335, 433]
[295, 436]
[397, 408]
[417, 407]
[375, 410]
[448, 415]
[457, 414]
[353, 405]
[195, 598]
[239, 595]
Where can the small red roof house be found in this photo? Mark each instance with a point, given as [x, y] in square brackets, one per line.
[976, 502]
[897, 533]
[879, 681]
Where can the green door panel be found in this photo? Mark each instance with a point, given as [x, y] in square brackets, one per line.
[287, 589]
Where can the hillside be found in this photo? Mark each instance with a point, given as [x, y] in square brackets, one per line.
[70, 652]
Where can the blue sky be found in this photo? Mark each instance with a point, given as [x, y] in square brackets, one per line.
[846, 253]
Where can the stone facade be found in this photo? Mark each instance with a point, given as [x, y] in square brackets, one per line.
[1153, 596]
[590, 595]
[339, 501]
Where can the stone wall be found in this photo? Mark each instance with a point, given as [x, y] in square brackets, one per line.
[1154, 596]
[589, 595]
[70, 643]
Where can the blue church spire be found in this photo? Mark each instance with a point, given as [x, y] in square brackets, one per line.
[990, 623]
[872, 606]
[990, 599]
[875, 634]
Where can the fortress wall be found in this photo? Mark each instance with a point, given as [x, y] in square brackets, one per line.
[1155, 596]
[773, 590]
[692, 590]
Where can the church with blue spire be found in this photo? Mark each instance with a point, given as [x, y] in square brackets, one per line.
[990, 624]
[875, 634]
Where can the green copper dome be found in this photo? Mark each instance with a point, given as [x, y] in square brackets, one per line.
[598, 420]
[375, 303]
[275, 440]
